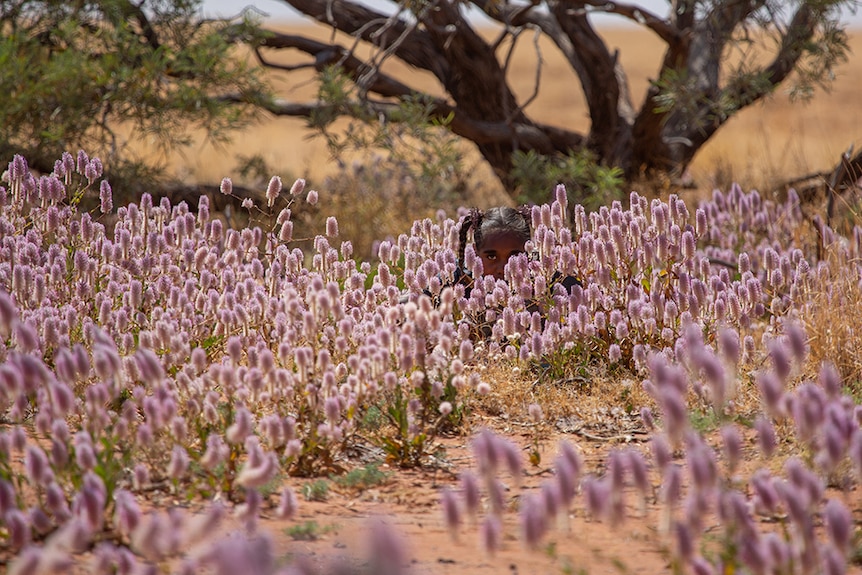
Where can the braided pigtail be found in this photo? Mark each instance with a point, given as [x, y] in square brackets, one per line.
[478, 219]
[471, 220]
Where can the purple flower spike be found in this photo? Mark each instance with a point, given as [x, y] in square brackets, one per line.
[661, 451]
[387, 550]
[551, 497]
[149, 366]
[288, 506]
[127, 513]
[765, 435]
[472, 496]
[93, 170]
[855, 452]
[141, 476]
[839, 524]
[674, 411]
[55, 502]
[702, 466]
[638, 468]
[226, 186]
[684, 539]
[273, 190]
[297, 187]
[766, 497]
[512, 457]
[28, 561]
[496, 496]
[331, 227]
[18, 528]
[732, 446]
[451, 511]
[598, 494]
[485, 452]
[179, 462]
[535, 411]
[834, 561]
[241, 427]
[728, 344]
[83, 160]
[8, 313]
[830, 380]
[772, 390]
[571, 455]
[780, 358]
[490, 534]
[797, 341]
[533, 521]
[106, 197]
[256, 474]
[700, 566]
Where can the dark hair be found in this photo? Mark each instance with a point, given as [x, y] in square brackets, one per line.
[500, 219]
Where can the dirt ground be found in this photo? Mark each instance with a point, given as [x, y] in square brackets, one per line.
[409, 501]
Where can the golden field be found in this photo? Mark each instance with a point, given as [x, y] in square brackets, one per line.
[769, 142]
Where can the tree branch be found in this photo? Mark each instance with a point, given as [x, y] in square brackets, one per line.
[597, 70]
[379, 29]
[660, 26]
[801, 30]
[332, 54]
[725, 17]
[545, 139]
[682, 14]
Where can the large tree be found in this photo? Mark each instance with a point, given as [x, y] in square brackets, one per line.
[720, 56]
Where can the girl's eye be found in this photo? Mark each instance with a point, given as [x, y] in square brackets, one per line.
[491, 257]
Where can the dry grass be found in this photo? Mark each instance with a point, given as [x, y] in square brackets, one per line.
[591, 395]
[833, 322]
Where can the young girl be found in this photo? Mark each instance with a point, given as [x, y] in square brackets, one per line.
[498, 234]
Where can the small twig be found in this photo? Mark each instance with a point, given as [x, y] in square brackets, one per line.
[627, 436]
[724, 263]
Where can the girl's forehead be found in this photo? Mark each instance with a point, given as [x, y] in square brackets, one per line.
[503, 238]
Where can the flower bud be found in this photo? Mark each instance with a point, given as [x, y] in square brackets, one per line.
[226, 186]
[273, 190]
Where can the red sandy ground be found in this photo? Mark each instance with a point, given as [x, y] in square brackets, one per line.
[409, 501]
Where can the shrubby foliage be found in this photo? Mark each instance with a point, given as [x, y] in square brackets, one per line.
[168, 352]
[106, 73]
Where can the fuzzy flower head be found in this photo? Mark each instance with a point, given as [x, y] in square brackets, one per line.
[451, 510]
[331, 227]
[297, 187]
[273, 190]
[226, 186]
[106, 197]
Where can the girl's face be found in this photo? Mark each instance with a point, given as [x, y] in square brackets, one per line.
[496, 249]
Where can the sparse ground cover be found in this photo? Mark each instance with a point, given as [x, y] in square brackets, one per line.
[183, 397]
